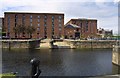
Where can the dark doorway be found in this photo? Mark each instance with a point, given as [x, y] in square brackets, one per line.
[77, 34]
[45, 36]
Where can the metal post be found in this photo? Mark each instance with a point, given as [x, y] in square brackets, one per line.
[9, 42]
[35, 72]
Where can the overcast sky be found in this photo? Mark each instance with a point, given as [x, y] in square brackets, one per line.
[105, 11]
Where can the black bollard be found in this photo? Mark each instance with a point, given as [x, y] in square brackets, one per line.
[35, 72]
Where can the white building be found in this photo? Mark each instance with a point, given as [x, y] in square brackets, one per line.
[105, 33]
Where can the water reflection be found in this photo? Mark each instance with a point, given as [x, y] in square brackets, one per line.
[59, 62]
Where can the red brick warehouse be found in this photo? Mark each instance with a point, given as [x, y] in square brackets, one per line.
[47, 25]
[87, 27]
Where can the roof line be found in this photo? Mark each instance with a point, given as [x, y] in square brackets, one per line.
[31, 13]
[84, 19]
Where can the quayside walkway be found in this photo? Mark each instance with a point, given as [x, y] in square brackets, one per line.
[67, 43]
[19, 43]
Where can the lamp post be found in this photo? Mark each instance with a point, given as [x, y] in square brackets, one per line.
[9, 42]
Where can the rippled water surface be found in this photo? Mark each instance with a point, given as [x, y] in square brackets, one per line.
[59, 62]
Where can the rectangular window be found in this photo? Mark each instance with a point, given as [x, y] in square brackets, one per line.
[52, 25]
[45, 21]
[16, 16]
[38, 17]
[52, 20]
[52, 17]
[38, 29]
[45, 25]
[60, 28]
[59, 20]
[60, 17]
[45, 17]
[30, 16]
[30, 24]
[87, 26]
[38, 25]
[59, 25]
[52, 29]
[23, 17]
[38, 20]
[45, 28]
[30, 20]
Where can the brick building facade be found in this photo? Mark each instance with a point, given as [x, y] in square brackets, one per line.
[47, 25]
[1, 23]
[72, 31]
[88, 27]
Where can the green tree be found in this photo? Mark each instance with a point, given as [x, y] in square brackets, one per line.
[22, 29]
[30, 30]
[19, 29]
[3, 28]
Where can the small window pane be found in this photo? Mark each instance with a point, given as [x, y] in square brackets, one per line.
[45, 16]
[38, 17]
[30, 20]
[60, 17]
[38, 29]
[59, 25]
[38, 25]
[31, 16]
[38, 20]
[59, 20]
[52, 17]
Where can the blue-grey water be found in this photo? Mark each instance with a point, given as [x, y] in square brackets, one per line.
[59, 62]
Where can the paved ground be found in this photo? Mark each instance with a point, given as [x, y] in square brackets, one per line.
[108, 76]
